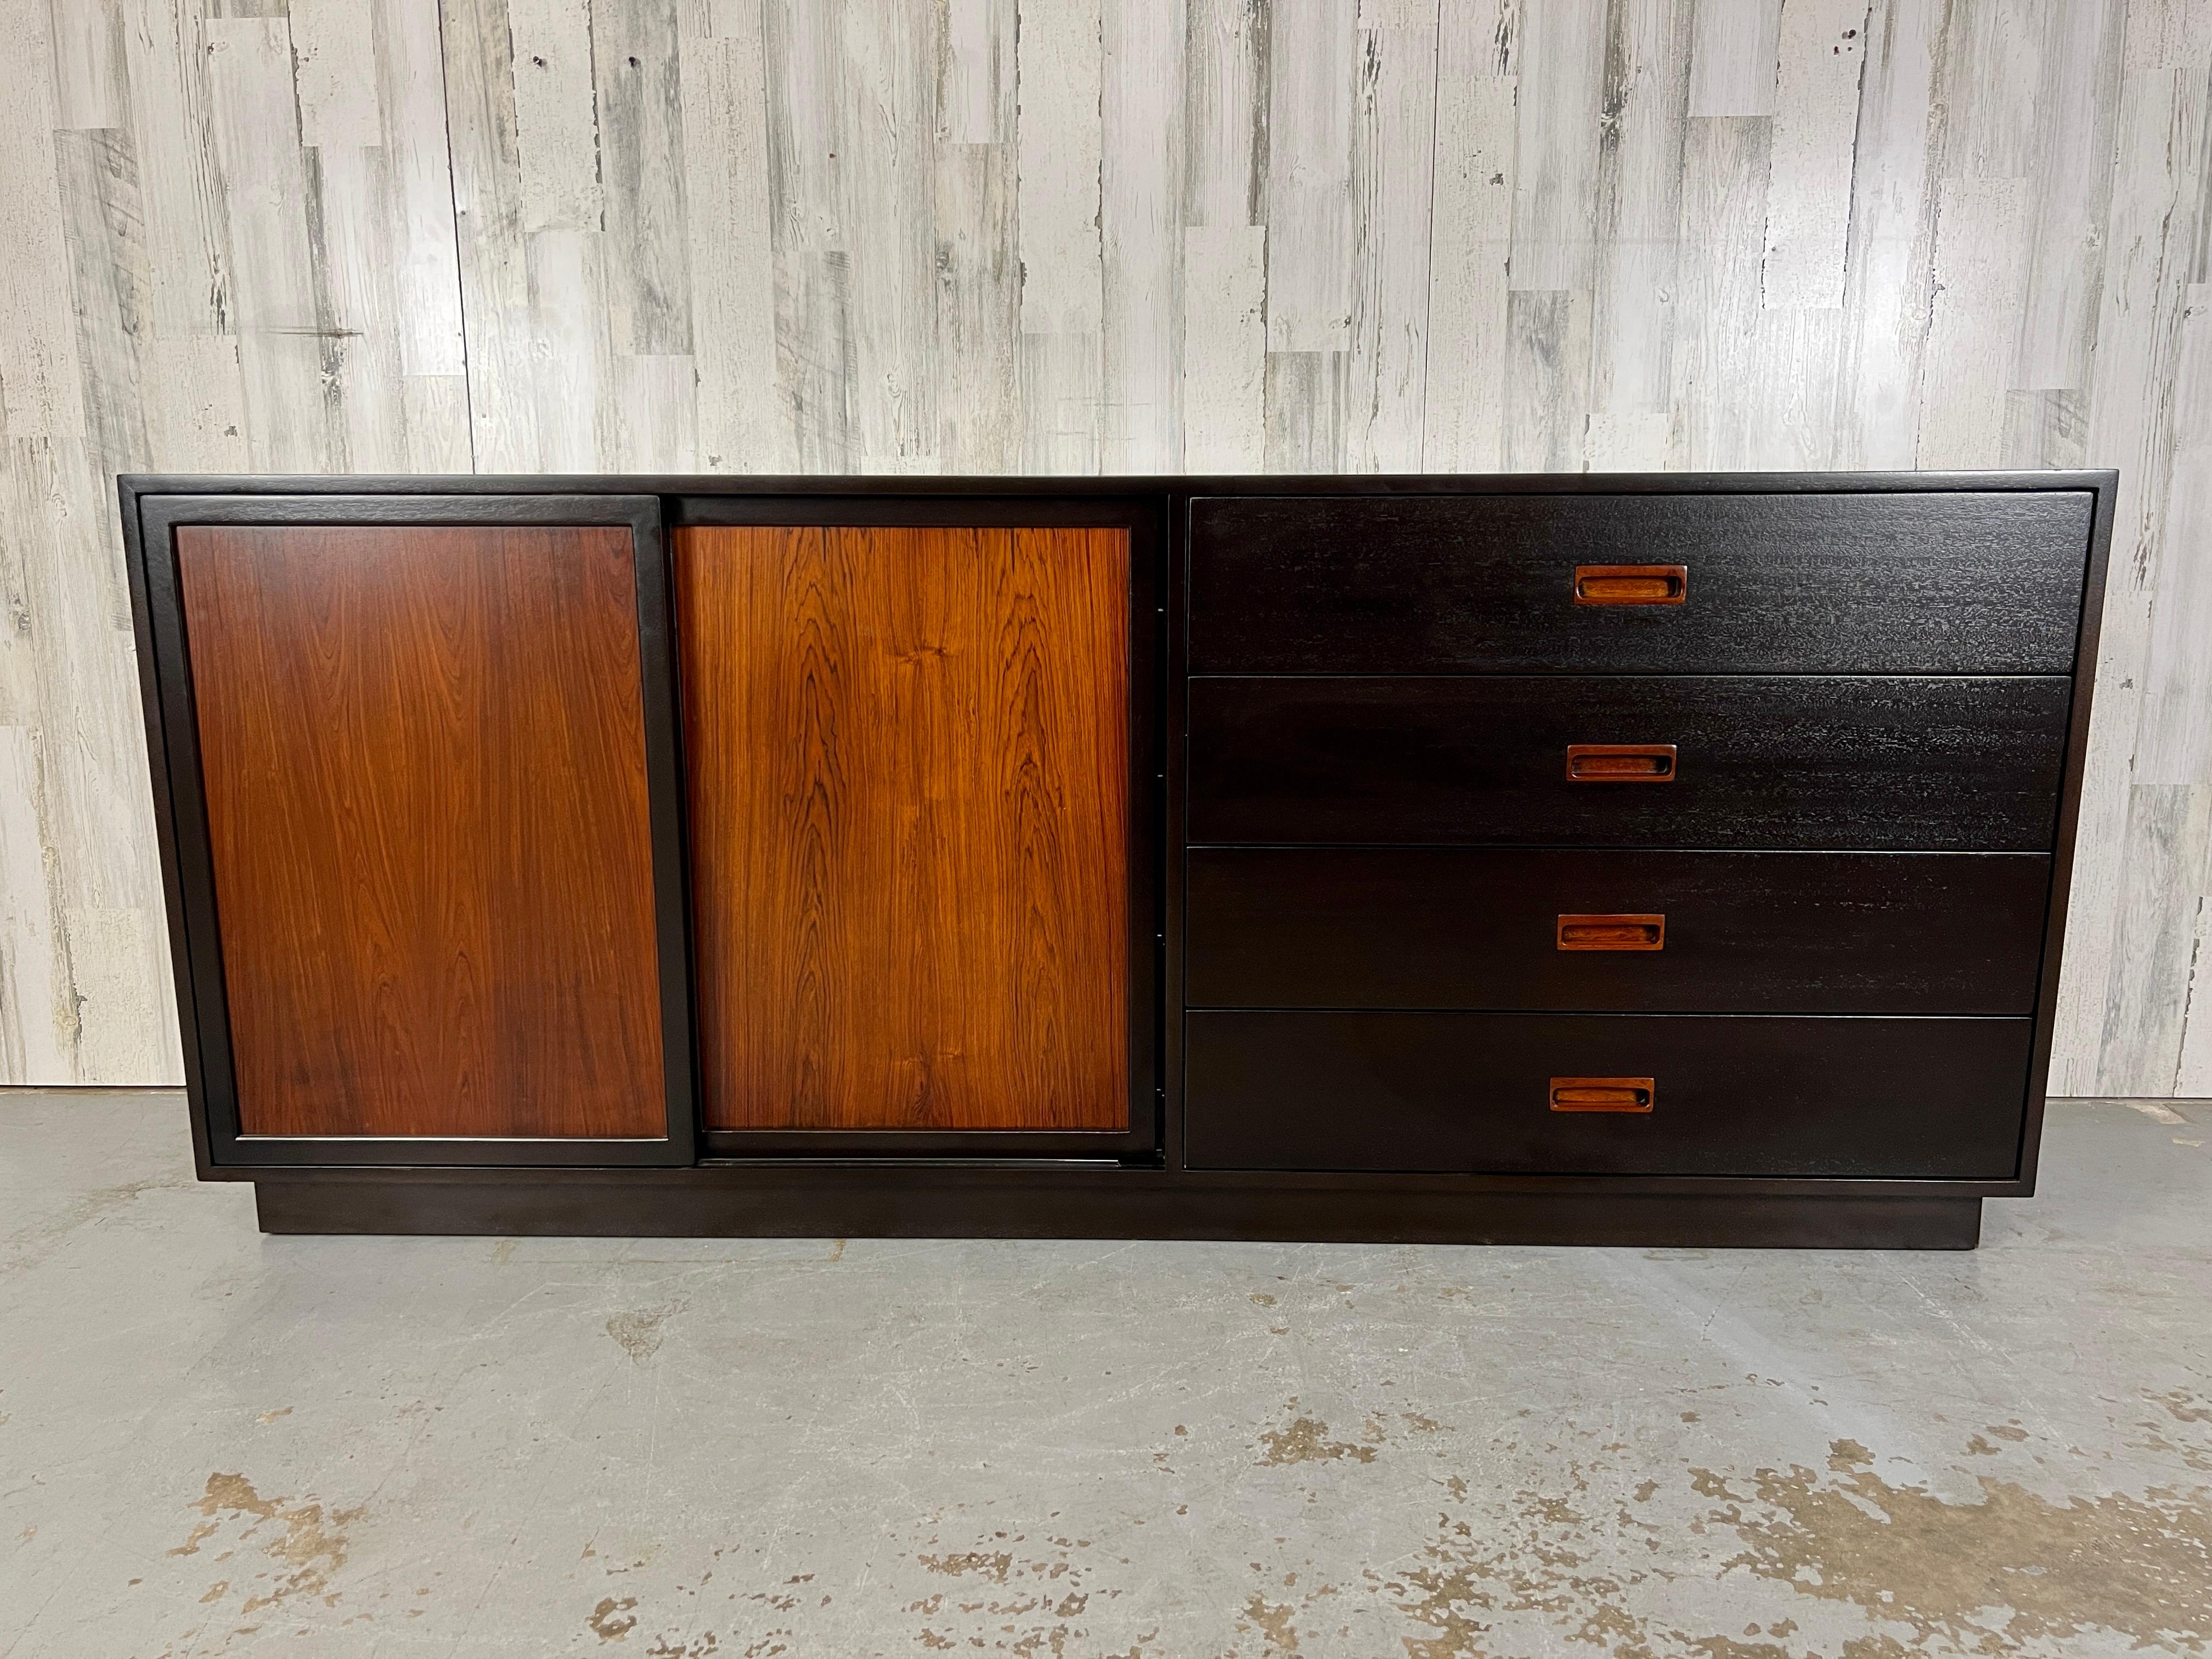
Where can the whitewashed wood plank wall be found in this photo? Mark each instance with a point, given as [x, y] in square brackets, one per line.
[1086, 236]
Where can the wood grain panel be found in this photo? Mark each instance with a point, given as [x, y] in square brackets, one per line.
[424, 757]
[1816, 583]
[1852, 1096]
[1763, 761]
[907, 763]
[1745, 932]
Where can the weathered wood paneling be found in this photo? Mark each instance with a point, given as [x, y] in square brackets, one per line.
[1124, 236]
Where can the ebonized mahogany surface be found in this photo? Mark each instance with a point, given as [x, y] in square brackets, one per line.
[907, 752]
[814, 1197]
[426, 791]
[1860, 1095]
[1775, 761]
[1749, 932]
[1907, 583]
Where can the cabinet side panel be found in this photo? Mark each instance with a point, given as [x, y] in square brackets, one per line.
[907, 755]
[423, 749]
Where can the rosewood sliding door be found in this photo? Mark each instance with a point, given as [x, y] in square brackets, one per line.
[908, 758]
[429, 835]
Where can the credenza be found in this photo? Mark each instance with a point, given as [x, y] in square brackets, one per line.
[1665, 859]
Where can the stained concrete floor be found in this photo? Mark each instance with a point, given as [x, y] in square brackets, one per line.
[215, 1443]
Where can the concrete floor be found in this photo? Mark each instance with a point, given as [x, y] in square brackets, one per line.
[215, 1443]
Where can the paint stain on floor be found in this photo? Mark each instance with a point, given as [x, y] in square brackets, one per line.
[637, 1332]
[2016, 1565]
[304, 1544]
[1306, 1441]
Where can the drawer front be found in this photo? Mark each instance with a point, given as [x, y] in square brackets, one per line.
[1839, 1096]
[1657, 932]
[1906, 582]
[1777, 762]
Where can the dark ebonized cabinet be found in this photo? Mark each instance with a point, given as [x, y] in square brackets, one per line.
[1654, 859]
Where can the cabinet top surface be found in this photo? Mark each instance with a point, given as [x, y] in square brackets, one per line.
[134, 484]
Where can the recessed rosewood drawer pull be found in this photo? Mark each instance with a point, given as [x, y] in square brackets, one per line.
[1631, 584]
[1613, 932]
[1620, 762]
[1603, 1094]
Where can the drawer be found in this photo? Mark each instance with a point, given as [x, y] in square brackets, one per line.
[1839, 1096]
[1737, 933]
[1767, 762]
[1987, 582]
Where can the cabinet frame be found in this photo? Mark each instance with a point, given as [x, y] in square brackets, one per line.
[151, 520]
[1032, 1194]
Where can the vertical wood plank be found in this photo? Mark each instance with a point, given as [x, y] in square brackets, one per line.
[280, 336]
[1224, 111]
[38, 1036]
[573, 384]
[1717, 318]
[1791, 404]
[2173, 741]
[1313, 68]
[1980, 234]
[548, 61]
[1224, 280]
[126, 1019]
[978, 262]
[1058, 132]
[196, 405]
[1547, 379]
[336, 74]
[2169, 832]
[813, 267]
[732, 258]
[975, 94]
[1392, 164]
[1992, 69]
[168, 50]
[1225, 349]
[2192, 1078]
[1733, 56]
[421, 239]
[1062, 385]
[492, 255]
[2150, 242]
[1306, 396]
[885, 150]
[1823, 51]
[637, 82]
[1890, 245]
[90, 90]
[1639, 208]
[39, 386]
[1142, 237]
[111, 285]
[979, 308]
[1470, 241]
[2168, 34]
[90, 806]
[355, 305]
[654, 412]
[2072, 173]
[1562, 64]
